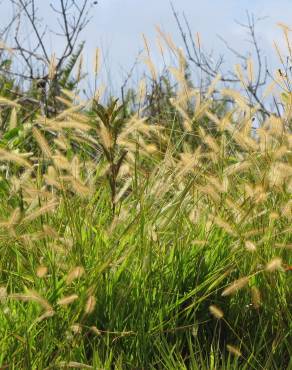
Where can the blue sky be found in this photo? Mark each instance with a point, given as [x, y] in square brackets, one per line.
[117, 26]
[120, 23]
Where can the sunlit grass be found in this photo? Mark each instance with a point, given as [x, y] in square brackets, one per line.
[152, 245]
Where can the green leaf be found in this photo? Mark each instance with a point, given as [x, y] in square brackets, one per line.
[11, 134]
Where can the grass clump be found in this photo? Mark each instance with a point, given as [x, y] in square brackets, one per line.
[130, 243]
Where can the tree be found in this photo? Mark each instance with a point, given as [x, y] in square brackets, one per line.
[40, 71]
[210, 68]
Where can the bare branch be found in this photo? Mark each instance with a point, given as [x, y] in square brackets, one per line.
[210, 68]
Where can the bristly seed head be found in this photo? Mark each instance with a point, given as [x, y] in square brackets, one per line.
[216, 312]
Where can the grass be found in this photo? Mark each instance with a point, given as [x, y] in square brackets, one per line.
[171, 251]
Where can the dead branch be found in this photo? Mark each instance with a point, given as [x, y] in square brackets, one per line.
[210, 68]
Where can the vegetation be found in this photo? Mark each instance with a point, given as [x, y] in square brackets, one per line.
[149, 234]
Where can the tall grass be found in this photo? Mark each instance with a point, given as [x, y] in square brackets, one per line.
[150, 244]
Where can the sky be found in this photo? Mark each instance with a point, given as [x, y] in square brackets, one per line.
[117, 26]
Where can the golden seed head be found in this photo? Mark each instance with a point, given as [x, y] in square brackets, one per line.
[90, 304]
[250, 246]
[41, 271]
[67, 300]
[75, 273]
[234, 350]
[216, 312]
[274, 264]
[235, 286]
[256, 297]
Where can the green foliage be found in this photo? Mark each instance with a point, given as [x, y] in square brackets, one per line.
[66, 80]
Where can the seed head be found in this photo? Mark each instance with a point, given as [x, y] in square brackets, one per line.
[216, 312]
